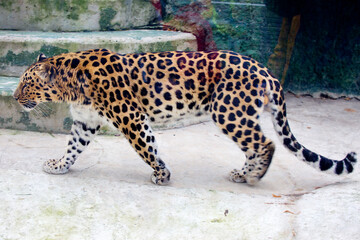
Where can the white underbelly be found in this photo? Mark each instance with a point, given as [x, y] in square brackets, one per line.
[179, 120]
[89, 116]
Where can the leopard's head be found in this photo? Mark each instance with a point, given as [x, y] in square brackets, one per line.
[37, 84]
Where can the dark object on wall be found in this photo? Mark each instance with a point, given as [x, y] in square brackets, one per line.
[189, 18]
[326, 53]
[284, 8]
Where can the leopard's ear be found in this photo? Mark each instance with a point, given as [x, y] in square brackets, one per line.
[46, 72]
[41, 57]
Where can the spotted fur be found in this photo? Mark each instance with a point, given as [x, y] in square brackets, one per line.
[133, 91]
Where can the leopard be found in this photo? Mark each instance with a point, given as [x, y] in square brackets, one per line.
[134, 91]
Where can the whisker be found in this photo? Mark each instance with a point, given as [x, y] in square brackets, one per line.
[41, 112]
[46, 106]
[49, 107]
[35, 112]
[45, 111]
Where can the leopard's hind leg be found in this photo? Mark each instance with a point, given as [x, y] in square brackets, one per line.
[243, 127]
[256, 164]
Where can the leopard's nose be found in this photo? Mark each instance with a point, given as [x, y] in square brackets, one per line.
[16, 95]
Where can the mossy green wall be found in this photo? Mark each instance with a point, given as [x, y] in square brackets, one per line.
[75, 15]
[26, 58]
[249, 29]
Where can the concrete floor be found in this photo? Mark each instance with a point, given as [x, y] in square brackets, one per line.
[108, 193]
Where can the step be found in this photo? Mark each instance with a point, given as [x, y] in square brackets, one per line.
[8, 85]
[19, 49]
[84, 15]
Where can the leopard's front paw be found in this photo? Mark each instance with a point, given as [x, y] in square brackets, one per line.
[54, 166]
[161, 177]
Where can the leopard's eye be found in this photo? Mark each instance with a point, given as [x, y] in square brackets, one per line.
[23, 88]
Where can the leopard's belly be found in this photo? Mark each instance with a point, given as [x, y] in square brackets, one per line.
[162, 118]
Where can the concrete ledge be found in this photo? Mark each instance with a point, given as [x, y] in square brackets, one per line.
[84, 15]
[19, 49]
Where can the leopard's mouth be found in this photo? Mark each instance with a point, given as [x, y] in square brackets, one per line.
[29, 105]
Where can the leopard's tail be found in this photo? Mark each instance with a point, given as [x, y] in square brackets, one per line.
[278, 111]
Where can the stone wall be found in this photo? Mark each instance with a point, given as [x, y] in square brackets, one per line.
[75, 15]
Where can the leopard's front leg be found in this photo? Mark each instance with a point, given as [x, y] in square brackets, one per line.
[81, 136]
[136, 128]
[85, 126]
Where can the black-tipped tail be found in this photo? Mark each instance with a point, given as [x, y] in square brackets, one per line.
[282, 128]
[337, 167]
